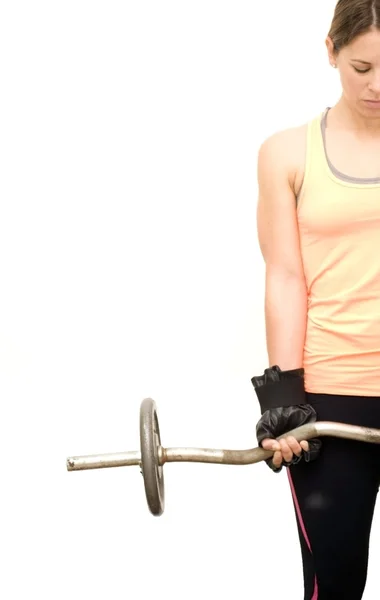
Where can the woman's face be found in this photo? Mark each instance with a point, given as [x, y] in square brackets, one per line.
[359, 67]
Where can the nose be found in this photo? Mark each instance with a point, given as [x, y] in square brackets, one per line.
[374, 84]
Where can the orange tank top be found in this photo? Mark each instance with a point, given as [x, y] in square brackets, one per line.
[339, 225]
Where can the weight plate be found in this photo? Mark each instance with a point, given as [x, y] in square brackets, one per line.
[150, 442]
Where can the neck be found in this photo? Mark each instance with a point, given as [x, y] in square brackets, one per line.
[355, 119]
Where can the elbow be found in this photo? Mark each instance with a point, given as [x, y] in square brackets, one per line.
[284, 287]
[279, 273]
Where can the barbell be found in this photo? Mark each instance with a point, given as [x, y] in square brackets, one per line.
[152, 456]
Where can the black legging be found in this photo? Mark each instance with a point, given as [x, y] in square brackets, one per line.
[334, 499]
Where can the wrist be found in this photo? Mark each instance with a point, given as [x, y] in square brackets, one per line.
[278, 388]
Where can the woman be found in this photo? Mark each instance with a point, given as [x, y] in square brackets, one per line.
[319, 233]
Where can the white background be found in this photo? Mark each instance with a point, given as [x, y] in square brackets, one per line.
[130, 267]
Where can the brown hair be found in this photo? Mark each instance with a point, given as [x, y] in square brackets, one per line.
[353, 18]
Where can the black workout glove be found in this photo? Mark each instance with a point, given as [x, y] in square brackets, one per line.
[283, 407]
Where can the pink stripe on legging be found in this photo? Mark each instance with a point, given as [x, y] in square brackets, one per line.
[302, 525]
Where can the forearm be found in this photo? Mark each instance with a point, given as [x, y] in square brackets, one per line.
[285, 319]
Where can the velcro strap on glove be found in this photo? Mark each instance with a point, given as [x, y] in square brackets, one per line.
[278, 388]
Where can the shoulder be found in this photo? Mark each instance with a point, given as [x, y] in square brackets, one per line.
[284, 152]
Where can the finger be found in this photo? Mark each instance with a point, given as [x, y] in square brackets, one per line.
[285, 450]
[305, 445]
[270, 444]
[277, 458]
[295, 447]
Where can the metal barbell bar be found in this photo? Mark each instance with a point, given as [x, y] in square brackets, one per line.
[152, 456]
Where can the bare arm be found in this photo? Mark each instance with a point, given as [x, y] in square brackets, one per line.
[285, 286]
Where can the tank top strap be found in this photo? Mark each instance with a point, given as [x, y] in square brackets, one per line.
[315, 158]
[315, 155]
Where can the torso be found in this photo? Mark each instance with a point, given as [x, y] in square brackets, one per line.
[349, 154]
[339, 242]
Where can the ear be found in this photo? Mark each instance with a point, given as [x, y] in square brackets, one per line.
[331, 51]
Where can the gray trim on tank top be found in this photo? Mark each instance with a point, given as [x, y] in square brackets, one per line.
[337, 173]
